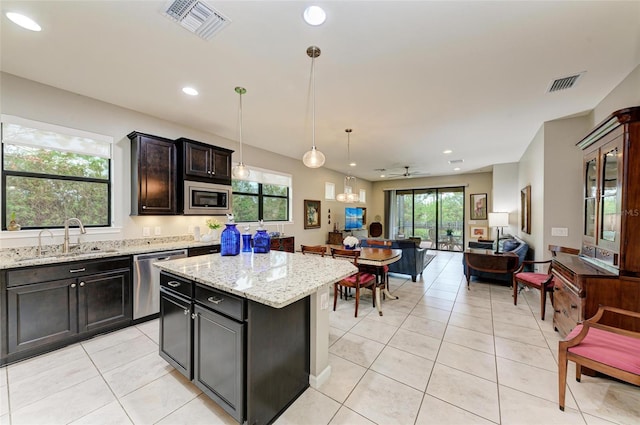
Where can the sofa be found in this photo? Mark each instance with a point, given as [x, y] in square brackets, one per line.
[413, 257]
[513, 244]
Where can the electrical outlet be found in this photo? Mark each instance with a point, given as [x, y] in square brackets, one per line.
[190, 229]
[324, 301]
[146, 231]
[157, 231]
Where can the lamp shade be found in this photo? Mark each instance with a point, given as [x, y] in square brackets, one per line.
[498, 219]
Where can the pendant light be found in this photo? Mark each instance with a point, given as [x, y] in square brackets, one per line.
[240, 171]
[313, 158]
[348, 195]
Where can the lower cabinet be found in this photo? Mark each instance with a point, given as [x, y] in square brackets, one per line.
[218, 359]
[285, 243]
[251, 359]
[48, 307]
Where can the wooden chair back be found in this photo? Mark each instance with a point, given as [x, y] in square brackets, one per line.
[350, 254]
[314, 249]
[379, 243]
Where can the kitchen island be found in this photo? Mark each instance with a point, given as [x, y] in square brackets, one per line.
[251, 331]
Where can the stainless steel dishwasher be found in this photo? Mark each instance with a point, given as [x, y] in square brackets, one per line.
[146, 281]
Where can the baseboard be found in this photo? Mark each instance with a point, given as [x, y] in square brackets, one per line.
[317, 381]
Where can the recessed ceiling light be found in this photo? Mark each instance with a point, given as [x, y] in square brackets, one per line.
[23, 21]
[190, 91]
[314, 15]
[456, 169]
[352, 164]
[448, 151]
[382, 175]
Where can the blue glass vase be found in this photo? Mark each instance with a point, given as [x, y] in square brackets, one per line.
[246, 242]
[261, 242]
[230, 240]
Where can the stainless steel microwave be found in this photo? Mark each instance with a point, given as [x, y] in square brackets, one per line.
[206, 198]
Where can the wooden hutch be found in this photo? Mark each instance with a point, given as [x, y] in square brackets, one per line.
[607, 271]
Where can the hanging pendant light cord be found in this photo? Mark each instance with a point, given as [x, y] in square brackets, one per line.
[313, 103]
[240, 118]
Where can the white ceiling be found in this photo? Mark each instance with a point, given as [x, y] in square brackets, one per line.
[410, 78]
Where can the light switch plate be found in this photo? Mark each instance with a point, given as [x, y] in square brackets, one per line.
[146, 231]
[157, 231]
[559, 231]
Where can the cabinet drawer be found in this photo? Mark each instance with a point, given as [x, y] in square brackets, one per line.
[176, 284]
[220, 301]
[204, 250]
[38, 274]
[568, 307]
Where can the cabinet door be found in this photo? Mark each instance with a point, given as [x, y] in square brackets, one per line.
[203, 250]
[156, 177]
[175, 332]
[610, 196]
[40, 314]
[590, 197]
[104, 300]
[218, 357]
[221, 166]
[197, 160]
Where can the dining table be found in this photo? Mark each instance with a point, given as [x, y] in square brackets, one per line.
[378, 258]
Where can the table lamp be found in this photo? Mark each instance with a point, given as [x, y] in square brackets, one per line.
[499, 220]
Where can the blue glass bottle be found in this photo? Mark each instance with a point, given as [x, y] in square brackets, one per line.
[261, 242]
[230, 240]
[246, 242]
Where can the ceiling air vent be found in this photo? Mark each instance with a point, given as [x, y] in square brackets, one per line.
[456, 161]
[564, 82]
[197, 17]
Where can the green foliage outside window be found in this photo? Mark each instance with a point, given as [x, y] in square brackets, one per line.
[43, 187]
[253, 201]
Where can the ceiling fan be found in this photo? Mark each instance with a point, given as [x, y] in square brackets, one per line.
[407, 174]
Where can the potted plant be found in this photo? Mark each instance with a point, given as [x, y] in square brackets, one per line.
[449, 232]
[213, 224]
[12, 223]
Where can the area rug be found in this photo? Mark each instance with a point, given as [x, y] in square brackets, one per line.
[428, 258]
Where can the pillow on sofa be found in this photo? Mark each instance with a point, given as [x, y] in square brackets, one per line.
[510, 245]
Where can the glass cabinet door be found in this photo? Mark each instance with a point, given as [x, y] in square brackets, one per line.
[609, 223]
[590, 196]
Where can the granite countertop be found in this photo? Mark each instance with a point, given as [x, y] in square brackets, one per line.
[103, 249]
[276, 279]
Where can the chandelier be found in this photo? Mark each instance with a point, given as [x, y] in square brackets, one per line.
[349, 196]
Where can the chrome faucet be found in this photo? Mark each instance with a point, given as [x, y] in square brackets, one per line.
[40, 239]
[67, 222]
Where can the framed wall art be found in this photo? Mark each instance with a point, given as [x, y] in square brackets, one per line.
[478, 232]
[311, 214]
[525, 209]
[478, 206]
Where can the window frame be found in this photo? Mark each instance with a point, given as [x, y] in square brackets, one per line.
[55, 177]
[261, 196]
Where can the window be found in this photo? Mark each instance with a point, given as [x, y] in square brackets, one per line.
[51, 173]
[264, 195]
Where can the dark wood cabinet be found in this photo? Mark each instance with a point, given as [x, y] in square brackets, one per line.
[176, 331]
[203, 250]
[41, 314]
[236, 350]
[285, 243]
[607, 271]
[153, 175]
[203, 162]
[218, 352]
[52, 306]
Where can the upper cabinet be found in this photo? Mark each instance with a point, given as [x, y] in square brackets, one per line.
[153, 175]
[204, 163]
[611, 175]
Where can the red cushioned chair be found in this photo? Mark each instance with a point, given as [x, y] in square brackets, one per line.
[357, 280]
[606, 349]
[541, 281]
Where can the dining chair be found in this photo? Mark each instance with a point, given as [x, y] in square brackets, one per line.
[313, 249]
[541, 281]
[358, 280]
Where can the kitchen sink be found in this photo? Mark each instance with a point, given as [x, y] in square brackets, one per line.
[73, 254]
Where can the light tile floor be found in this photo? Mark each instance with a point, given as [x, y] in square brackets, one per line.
[441, 354]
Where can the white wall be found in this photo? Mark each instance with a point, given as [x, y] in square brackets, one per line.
[506, 195]
[31, 100]
[531, 172]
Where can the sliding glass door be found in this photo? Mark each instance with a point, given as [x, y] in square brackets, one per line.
[434, 215]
